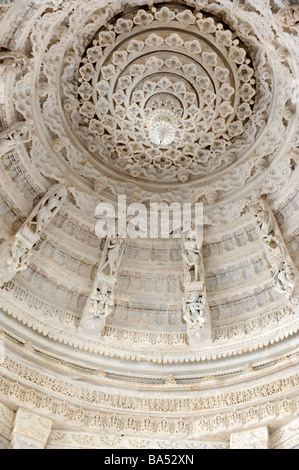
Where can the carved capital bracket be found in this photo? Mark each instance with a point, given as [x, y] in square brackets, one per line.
[100, 302]
[283, 270]
[30, 431]
[195, 304]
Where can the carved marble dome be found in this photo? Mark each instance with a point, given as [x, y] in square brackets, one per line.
[124, 345]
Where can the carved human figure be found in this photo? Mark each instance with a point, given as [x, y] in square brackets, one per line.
[288, 17]
[284, 278]
[14, 136]
[14, 257]
[192, 254]
[112, 255]
[47, 210]
[99, 306]
[195, 308]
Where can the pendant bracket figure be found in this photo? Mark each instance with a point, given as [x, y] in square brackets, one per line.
[101, 302]
[195, 306]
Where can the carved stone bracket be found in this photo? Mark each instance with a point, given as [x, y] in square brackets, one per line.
[283, 270]
[15, 253]
[195, 305]
[100, 303]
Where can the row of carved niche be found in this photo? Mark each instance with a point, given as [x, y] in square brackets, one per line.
[228, 243]
[247, 271]
[217, 281]
[73, 300]
[147, 316]
[270, 322]
[20, 176]
[83, 234]
[129, 282]
[226, 308]
[18, 25]
[152, 252]
[39, 286]
[248, 302]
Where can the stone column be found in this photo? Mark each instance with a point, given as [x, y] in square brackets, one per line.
[30, 431]
[257, 438]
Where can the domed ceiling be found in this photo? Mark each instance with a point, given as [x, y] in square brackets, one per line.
[166, 342]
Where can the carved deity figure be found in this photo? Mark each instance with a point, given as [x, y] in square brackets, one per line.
[102, 303]
[192, 254]
[98, 308]
[195, 309]
[288, 17]
[113, 253]
[284, 278]
[47, 209]
[14, 257]
[267, 225]
[13, 136]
